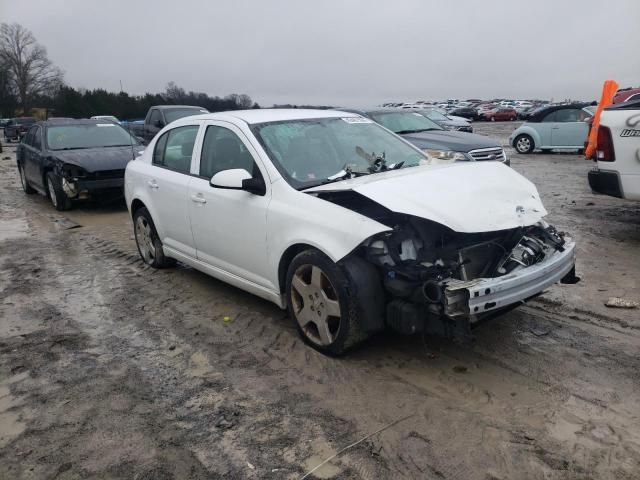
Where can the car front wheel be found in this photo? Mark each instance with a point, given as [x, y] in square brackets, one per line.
[524, 144]
[57, 196]
[147, 240]
[320, 299]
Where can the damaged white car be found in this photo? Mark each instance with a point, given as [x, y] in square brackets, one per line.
[342, 222]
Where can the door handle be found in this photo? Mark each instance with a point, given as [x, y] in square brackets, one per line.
[198, 198]
[153, 184]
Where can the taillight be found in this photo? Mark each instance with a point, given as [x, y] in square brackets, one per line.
[604, 151]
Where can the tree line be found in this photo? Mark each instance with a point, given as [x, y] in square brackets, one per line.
[29, 80]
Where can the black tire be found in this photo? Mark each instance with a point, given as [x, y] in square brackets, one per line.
[24, 182]
[524, 144]
[57, 196]
[344, 334]
[148, 242]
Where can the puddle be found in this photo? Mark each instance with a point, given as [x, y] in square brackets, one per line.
[13, 228]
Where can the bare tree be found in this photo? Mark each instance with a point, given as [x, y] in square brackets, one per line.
[29, 70]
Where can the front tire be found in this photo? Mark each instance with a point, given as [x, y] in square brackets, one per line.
[147, 240]
[24, 182]
[57, 196]
[524, 144]
[321, 300]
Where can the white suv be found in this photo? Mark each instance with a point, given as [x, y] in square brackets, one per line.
[344, 223]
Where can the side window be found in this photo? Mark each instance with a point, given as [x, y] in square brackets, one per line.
[568, 115]
[551, 117]
[36, 140]
[223, 150]
[174, 148]
[28, 138]
[155, 118]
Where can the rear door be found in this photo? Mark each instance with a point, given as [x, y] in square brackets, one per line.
[167, 183]
[570, 128]
[32, 147]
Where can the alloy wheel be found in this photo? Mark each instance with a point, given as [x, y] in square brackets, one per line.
[523, 145]
[144, 239]
[315, 304]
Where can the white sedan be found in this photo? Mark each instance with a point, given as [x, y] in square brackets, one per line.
[342, 222]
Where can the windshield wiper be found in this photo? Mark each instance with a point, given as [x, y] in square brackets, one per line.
[418, 130]
[69, 148]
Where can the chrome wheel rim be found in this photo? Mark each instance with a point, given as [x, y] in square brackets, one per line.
[315, 305]
[144, 240]
[523, 144]
[52, 192]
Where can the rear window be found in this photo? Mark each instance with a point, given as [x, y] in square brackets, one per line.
[77, 137]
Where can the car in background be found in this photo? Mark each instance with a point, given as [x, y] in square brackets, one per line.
[110, 118]
[617, 169]
[554, 127]
[4, 122]
[67, 160]
[469, 113]
[440, 144]
[627, 95]
[159, 116]
[445, 121]
[344, 224]
[500, 113]
[17, 128]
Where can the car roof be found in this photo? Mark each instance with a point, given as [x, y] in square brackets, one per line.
[169, 107]
[544, 111]
[71, 121]
[263, 115]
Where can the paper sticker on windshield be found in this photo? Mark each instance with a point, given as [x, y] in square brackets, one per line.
[105, 125]
[356, 120]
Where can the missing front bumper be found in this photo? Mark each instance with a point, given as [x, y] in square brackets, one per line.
[475, 297]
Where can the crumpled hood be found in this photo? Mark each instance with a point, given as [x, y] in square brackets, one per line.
[97, 159]
[467, 197]
[450, 140]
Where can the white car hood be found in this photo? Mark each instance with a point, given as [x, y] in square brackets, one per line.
[466, 196]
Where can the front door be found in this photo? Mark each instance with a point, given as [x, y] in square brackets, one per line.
[569, 129]
[229, 226]
[168, 181]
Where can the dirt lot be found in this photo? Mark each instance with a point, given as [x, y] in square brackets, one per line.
[112, 370]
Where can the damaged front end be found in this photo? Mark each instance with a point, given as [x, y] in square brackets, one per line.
[439, 281]
[78, 183]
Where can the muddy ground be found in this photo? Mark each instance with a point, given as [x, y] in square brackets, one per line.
[111, 370]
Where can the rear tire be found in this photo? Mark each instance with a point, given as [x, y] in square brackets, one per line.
[24, 182]
[57, 196]
[524, 144]
[147, 240]
[322, 302]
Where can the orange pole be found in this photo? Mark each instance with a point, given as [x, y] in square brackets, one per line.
[609, 90]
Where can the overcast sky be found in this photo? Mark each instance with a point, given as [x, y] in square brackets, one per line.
[341, 52]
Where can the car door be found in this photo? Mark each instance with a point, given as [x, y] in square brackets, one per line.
[33, 156]
[167, 183]
[24, 154]
[545, 127]
[229, 226]
[153, 124]
[570, 129]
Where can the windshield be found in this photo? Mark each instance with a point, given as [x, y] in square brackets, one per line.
[174, 114]
[75, 137]
[308, 152]
[405, 122]
[434, 115]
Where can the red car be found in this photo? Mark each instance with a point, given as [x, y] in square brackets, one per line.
[502, 113]
[627, 95]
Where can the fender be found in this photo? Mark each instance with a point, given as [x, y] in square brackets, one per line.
[527, 130]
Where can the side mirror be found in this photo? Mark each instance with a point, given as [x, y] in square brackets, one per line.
[238, 179]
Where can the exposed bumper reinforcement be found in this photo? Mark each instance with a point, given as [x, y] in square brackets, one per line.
[485, 294]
